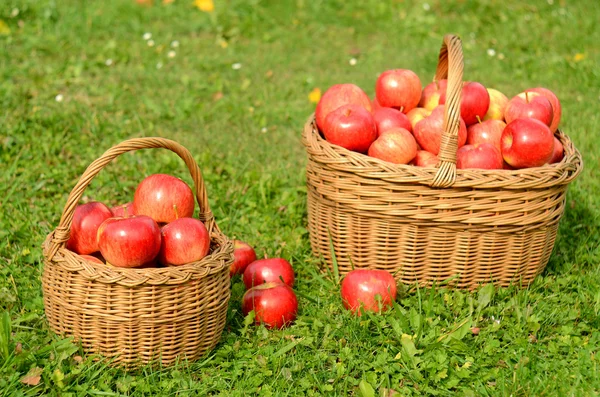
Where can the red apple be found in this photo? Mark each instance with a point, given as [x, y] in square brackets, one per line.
[396, 146]
[489, 131]
[558, 153]
[375, 105]
[91, 258]
[475, 101]
[527, 143]
[123, 210]
[129, 242]
[498, 103]
[482, 156]
[275, 305]
[184, 240]
[556, 107]
[368, 290]
[164, 198]
[351, 127]
[430, 97]
[390, 118]
[529, 105]
[339, 95]
[243, 255]
[416, 115]
[425, 159]
[398, 88]
[275, 270]
[84, 228]
[428, 132]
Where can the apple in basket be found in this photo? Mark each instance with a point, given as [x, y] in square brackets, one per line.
[183, 240]
[87, 218]
[430, 97]
[425, 159]
[428, 132]
[416, 115]
[527, 143]
[398, 88]
[368, 290]
[498, 103]
[351, 127]
[123, 210]
[339, 95]
[474, 103]
[275, 304]
[558, 151]
[243, 255]
[529, 104]
[556, 108]
[262, 271]
[481, 156]
[396, 146]
[489, 131]
[390, 118]
[164, 198]
[129, 242]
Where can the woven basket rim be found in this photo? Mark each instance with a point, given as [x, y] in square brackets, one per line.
[338, 158]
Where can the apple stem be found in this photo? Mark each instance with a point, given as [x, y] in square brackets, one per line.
[527, 96]
[125, 211]
[402, 109]
[478, 119]
[176, 212]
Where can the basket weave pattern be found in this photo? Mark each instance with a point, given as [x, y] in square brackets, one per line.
[429, 225]
[138, 316]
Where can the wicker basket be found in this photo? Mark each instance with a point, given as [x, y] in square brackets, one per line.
[429, 225]
[137, 317]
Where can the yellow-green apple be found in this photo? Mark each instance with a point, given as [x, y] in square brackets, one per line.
[164, 198]
[351, 127]
[556, 107]
[275, 304]
[243, 255]
[527, 142]
[425, 159]
[183, 240]
[489, 131]
[558, 153]
[396, 146]
[529, 104]
[368, 290]
[398, 88]
[498, 103]
[130, 241]
[475, 101]
[416, 115]
[123, 210]
[276, 270]
[430, 97]
[482, 156]
[87, 218]
[428, 132]
[389, 118]
[339, 95]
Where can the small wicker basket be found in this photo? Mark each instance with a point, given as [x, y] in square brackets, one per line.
[136, 317]
[428, 225]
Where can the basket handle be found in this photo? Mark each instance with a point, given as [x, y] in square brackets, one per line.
[61, 233]
[450, 66]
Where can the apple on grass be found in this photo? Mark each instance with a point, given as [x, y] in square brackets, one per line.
[479, 156]
[368, 290]
[130, 241]
[527, 143]
[183, 240]
[428, 132]
[396, 146]
[498, 103]
[339, 95]
[389, 118]
[164, 198]
[529, 104]
[489, 131]
[556, 107]
[425, 159]
[123, 210]
[87, 218]
[416, 115]
[351, 127]
[275, 304]
[430, 97]
[243, 255]
[398, 88]
[276, 270]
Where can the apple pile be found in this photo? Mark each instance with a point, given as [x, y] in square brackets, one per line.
[269, 285]
[403, 124]
[155, 229]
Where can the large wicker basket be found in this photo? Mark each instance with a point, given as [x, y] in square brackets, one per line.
[429, 225]
[136, 317]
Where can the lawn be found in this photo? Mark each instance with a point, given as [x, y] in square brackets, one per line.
[232, 85]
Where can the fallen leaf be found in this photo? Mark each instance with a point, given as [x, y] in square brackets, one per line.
[168, 1]
[4, 28]
[144, 2]
[475, 330]
[205, 5]
[315, 95]
[33, 377]
[269, 74]
[217, 96]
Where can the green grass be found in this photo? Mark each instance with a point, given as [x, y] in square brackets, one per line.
[542, 341]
